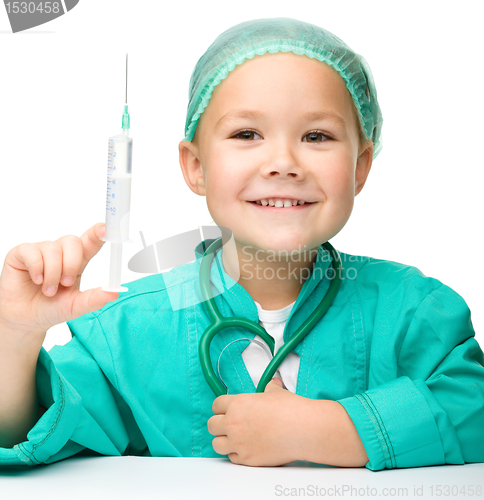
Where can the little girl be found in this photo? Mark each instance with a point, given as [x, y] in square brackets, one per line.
[283, 125]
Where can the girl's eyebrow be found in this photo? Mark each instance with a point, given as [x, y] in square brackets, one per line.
[243, 113]
[252, 114]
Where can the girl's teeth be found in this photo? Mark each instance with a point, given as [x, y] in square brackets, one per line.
[279, 203]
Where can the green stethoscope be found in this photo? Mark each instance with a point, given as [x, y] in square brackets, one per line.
[219, 322]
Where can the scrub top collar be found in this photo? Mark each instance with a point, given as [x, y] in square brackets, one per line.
[241, 302]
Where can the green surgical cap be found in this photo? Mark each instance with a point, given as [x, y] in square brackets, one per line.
[282, 34]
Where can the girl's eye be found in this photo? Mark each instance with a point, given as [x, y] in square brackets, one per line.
[244, 134]
[313, 136]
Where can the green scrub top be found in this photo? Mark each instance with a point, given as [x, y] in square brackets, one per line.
[396, 349]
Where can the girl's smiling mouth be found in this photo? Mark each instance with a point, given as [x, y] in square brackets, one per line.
[276, 206]
[280, 202]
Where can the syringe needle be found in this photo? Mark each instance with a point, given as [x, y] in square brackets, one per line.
[126, 78]
[125, 123]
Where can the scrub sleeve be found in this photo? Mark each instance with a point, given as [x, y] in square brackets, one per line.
[433, 412]
[84, 410]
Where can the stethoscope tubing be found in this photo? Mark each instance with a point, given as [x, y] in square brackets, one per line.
[219, 322]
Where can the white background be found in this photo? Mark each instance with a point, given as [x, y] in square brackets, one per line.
[62, 90]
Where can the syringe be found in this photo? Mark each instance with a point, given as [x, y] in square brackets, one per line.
[118, 197]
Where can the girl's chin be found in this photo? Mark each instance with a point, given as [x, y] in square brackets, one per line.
[274, 244]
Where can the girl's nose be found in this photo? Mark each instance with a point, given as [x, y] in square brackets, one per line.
[283, 163]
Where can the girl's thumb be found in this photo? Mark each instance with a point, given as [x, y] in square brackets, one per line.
[276, 381]
[91, 300]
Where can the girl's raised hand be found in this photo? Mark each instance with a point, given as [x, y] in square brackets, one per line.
[35, 290]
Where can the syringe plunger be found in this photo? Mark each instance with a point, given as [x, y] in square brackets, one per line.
[115, 269]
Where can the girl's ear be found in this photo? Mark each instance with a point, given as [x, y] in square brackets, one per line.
[189, 157]
[363, 166]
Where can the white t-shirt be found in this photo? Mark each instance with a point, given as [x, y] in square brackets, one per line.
[256, 358]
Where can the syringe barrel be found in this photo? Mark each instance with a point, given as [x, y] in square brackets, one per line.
[118, 195]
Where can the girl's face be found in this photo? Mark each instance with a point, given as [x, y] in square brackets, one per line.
[280, 126]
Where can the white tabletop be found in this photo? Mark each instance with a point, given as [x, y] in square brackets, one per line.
[121, 478]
